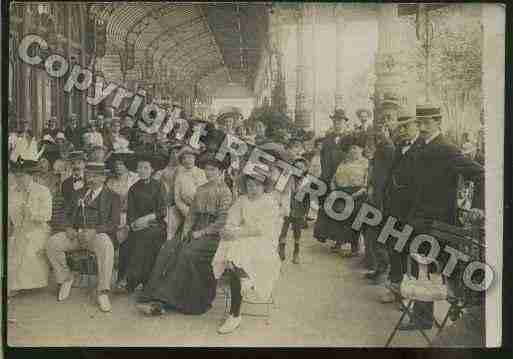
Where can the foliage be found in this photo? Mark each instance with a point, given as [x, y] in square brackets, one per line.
[277, 122]
[455, 62]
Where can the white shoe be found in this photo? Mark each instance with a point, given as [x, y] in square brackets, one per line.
[65, 290]
[104, 302]
[230, 324]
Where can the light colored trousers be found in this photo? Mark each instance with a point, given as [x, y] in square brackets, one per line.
[101, 246]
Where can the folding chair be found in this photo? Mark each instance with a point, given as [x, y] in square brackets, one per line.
[419, 290]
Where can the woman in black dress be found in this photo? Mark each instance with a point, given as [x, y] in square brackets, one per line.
[183, 278]
[147, 210]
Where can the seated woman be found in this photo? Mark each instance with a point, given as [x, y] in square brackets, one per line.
[30, 208]
[146, 214]
[350, 177]
[249, 248]
[187, 180]
[121, 183]
[167, 176]
[182, 278]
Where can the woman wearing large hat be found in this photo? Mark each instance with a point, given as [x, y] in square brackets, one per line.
[146, 215]
[167, 176]
[122, 165]
[30, 208]
[183, 277]
[187, 181]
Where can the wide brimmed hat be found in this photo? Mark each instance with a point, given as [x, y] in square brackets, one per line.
[157, 161]
[98, 168]
[427, 112]
[128, 158]
[25, 166]
[187, 150]
[77, 155]
[404, 116]
[390, 99]
[338, 115]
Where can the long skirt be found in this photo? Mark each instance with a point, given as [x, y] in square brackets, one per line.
[183, 277]
[27, 263]
[338, 231]
[143, 249]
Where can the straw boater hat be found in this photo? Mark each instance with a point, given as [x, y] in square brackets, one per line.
[390, 100]
[339, 115]
[428, 112]
[404, 116]
[25, 166]
[362, 110]
[96, 168]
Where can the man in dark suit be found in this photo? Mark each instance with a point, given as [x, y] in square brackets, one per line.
[399, 189]
[430, 192]
[334, 147]
[75, 182]
[380, 151]
[93, 220]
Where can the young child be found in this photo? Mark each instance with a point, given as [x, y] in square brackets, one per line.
[298, 212]
[351, 177]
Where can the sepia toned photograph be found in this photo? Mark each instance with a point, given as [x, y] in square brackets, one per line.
[253, 174]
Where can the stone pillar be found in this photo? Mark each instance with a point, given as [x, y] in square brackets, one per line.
[493, 87]
[340, 25]
[303, 117]
[391, 70]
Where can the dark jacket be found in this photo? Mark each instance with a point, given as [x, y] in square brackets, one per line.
[400, 185]
[74, 136]
[332, 153]
[108, 205]
[67, 189]
[437, 167]
[379, 167]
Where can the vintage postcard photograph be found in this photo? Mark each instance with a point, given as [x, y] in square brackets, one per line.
[253, 174]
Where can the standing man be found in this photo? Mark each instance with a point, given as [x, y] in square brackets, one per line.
[334, 148]
[73, 132]
[364, 122]
[92, 221]
[399, 191]
[436, 166]
[380, 151]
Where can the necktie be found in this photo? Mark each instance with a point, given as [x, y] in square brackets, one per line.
[89, 198]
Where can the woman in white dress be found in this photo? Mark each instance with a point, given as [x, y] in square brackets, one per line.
[187, 181]
[249, 249]
[30, 208]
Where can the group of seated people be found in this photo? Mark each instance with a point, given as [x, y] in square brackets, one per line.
[177, 223]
